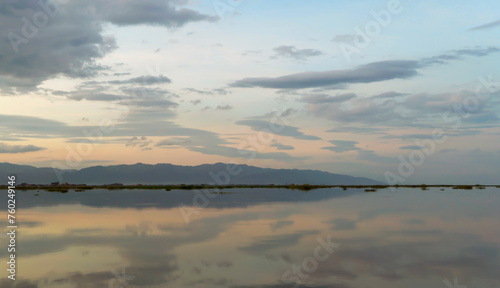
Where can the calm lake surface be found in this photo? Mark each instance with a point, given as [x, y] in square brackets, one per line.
[258, 238]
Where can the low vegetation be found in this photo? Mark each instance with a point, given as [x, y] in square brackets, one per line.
[64, 188]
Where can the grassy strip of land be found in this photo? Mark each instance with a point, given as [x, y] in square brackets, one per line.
[64, 188]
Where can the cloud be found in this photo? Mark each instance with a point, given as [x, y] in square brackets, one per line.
[276, 129]
[371, 156]
[368, 73]
[211, 143]
[459, 55]
[14, 149]
[224, 107]
[199, 91]
[388, 95]
[347, 38]
[151, 12]
[218, 91]
[139, 142]
[358, 130]
[72, 39]
[342, 146]
[323, 98]
[95, 94]
[68, 45]
[281, 224]
[419, 110]
[291, 52]
[144, 80]
[359, 110]
[280, 146]
[486, 26]
[221, 91]
[411, 147]
[219, 107]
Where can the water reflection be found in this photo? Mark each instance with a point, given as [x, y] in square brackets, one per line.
[133, 238]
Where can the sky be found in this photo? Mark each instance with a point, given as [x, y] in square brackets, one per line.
[405, 92]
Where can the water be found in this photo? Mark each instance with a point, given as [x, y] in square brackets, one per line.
[259, 238]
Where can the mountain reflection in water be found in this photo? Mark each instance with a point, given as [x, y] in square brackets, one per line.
[254, 237]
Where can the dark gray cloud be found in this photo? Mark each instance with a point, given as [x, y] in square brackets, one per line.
[487, 25]
[14, 149]
[291, 52]
[68, 39]
[368, 73]
[151, 12]
[70, 49]
[277, 129]
[342, 146]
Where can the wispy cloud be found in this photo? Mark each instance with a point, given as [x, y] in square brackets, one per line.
[341, 146]
[487, 25]
[292, 52]
[14, 149]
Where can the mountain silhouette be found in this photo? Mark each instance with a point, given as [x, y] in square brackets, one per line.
[218, 173]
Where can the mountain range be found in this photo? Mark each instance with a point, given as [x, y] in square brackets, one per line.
[219, 173]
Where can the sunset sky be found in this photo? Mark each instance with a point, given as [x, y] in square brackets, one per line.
[348, 87]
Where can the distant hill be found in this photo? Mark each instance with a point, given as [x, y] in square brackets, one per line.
[175, 174]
